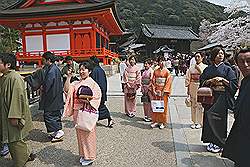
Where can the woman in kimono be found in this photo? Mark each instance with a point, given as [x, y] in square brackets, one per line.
[192, 83]
[161, 85]
[146, 90]
[222, 80]
[132, 79]
[86, 140]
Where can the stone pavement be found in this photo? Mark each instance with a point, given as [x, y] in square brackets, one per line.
[189, 149]
[131, 142]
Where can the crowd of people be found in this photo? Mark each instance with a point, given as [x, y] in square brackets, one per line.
[58, 98]
[77, 88]
[212, 81]
[212, 91]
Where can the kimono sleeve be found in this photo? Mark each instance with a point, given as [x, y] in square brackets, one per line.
[187, 78]
[168, 85]
[233, 82]
[153, 80]
[125, 75]
[18, 100]
[68, 108]
[138, 79]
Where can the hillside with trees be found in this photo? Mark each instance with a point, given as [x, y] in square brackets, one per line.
[168, 12]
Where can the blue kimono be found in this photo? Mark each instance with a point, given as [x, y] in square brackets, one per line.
[99, 76]
[214, 128]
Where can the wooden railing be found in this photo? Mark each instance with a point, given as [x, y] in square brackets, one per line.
[36, 56]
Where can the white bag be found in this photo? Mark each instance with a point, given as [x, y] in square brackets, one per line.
[86, 119]
[157, 105]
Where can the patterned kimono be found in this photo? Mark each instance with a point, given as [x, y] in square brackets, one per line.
[146, 89]
[161, 82]
[132, 79]
[86, 140]
[192, 81]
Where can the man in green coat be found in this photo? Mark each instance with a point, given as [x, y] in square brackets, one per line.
[15, 116]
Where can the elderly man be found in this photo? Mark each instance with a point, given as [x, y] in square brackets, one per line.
[238, 143]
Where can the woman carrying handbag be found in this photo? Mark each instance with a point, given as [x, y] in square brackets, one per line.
[161, 83]
[75, 103]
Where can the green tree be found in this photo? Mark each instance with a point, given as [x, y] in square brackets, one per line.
[8, 38]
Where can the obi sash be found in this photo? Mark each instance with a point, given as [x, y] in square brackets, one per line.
[195, 77]
[145, 81]
[160, 81]
[132, 76]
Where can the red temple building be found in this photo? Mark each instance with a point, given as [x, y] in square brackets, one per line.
[80, 28]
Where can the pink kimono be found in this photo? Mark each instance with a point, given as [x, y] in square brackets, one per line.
[86, 140]
[146, 89]
[132, 80]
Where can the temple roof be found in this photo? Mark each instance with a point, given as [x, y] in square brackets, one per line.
[19, 12]
[168, 32]
[16, 10]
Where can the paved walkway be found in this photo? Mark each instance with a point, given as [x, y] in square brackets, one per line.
[189, 149]
[131, 142]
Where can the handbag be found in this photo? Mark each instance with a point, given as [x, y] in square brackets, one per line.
[205, 95]
[145, 98]
[86, 118]
[157, 106]
[131, 96]
[188, 101]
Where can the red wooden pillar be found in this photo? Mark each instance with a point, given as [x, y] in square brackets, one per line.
[71, 34]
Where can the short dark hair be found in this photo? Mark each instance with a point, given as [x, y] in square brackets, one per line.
[148, 61]
[8, 58]
[59, 58]
[243, 50]
[49, 56]
[86, 64]
[214, 52]
[201, 53]
[67, 58]
[160, 58]
[94, 59]
[130, 57]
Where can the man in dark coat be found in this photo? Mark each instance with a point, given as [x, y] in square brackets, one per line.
[99, 76]
[51, 96]
[238, 142]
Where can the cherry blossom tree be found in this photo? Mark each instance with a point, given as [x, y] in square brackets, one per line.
[231, 32]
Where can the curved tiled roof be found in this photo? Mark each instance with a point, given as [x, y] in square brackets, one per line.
[169, 32]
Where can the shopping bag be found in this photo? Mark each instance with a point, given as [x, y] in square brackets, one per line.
[86, 119]
[157, 106]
